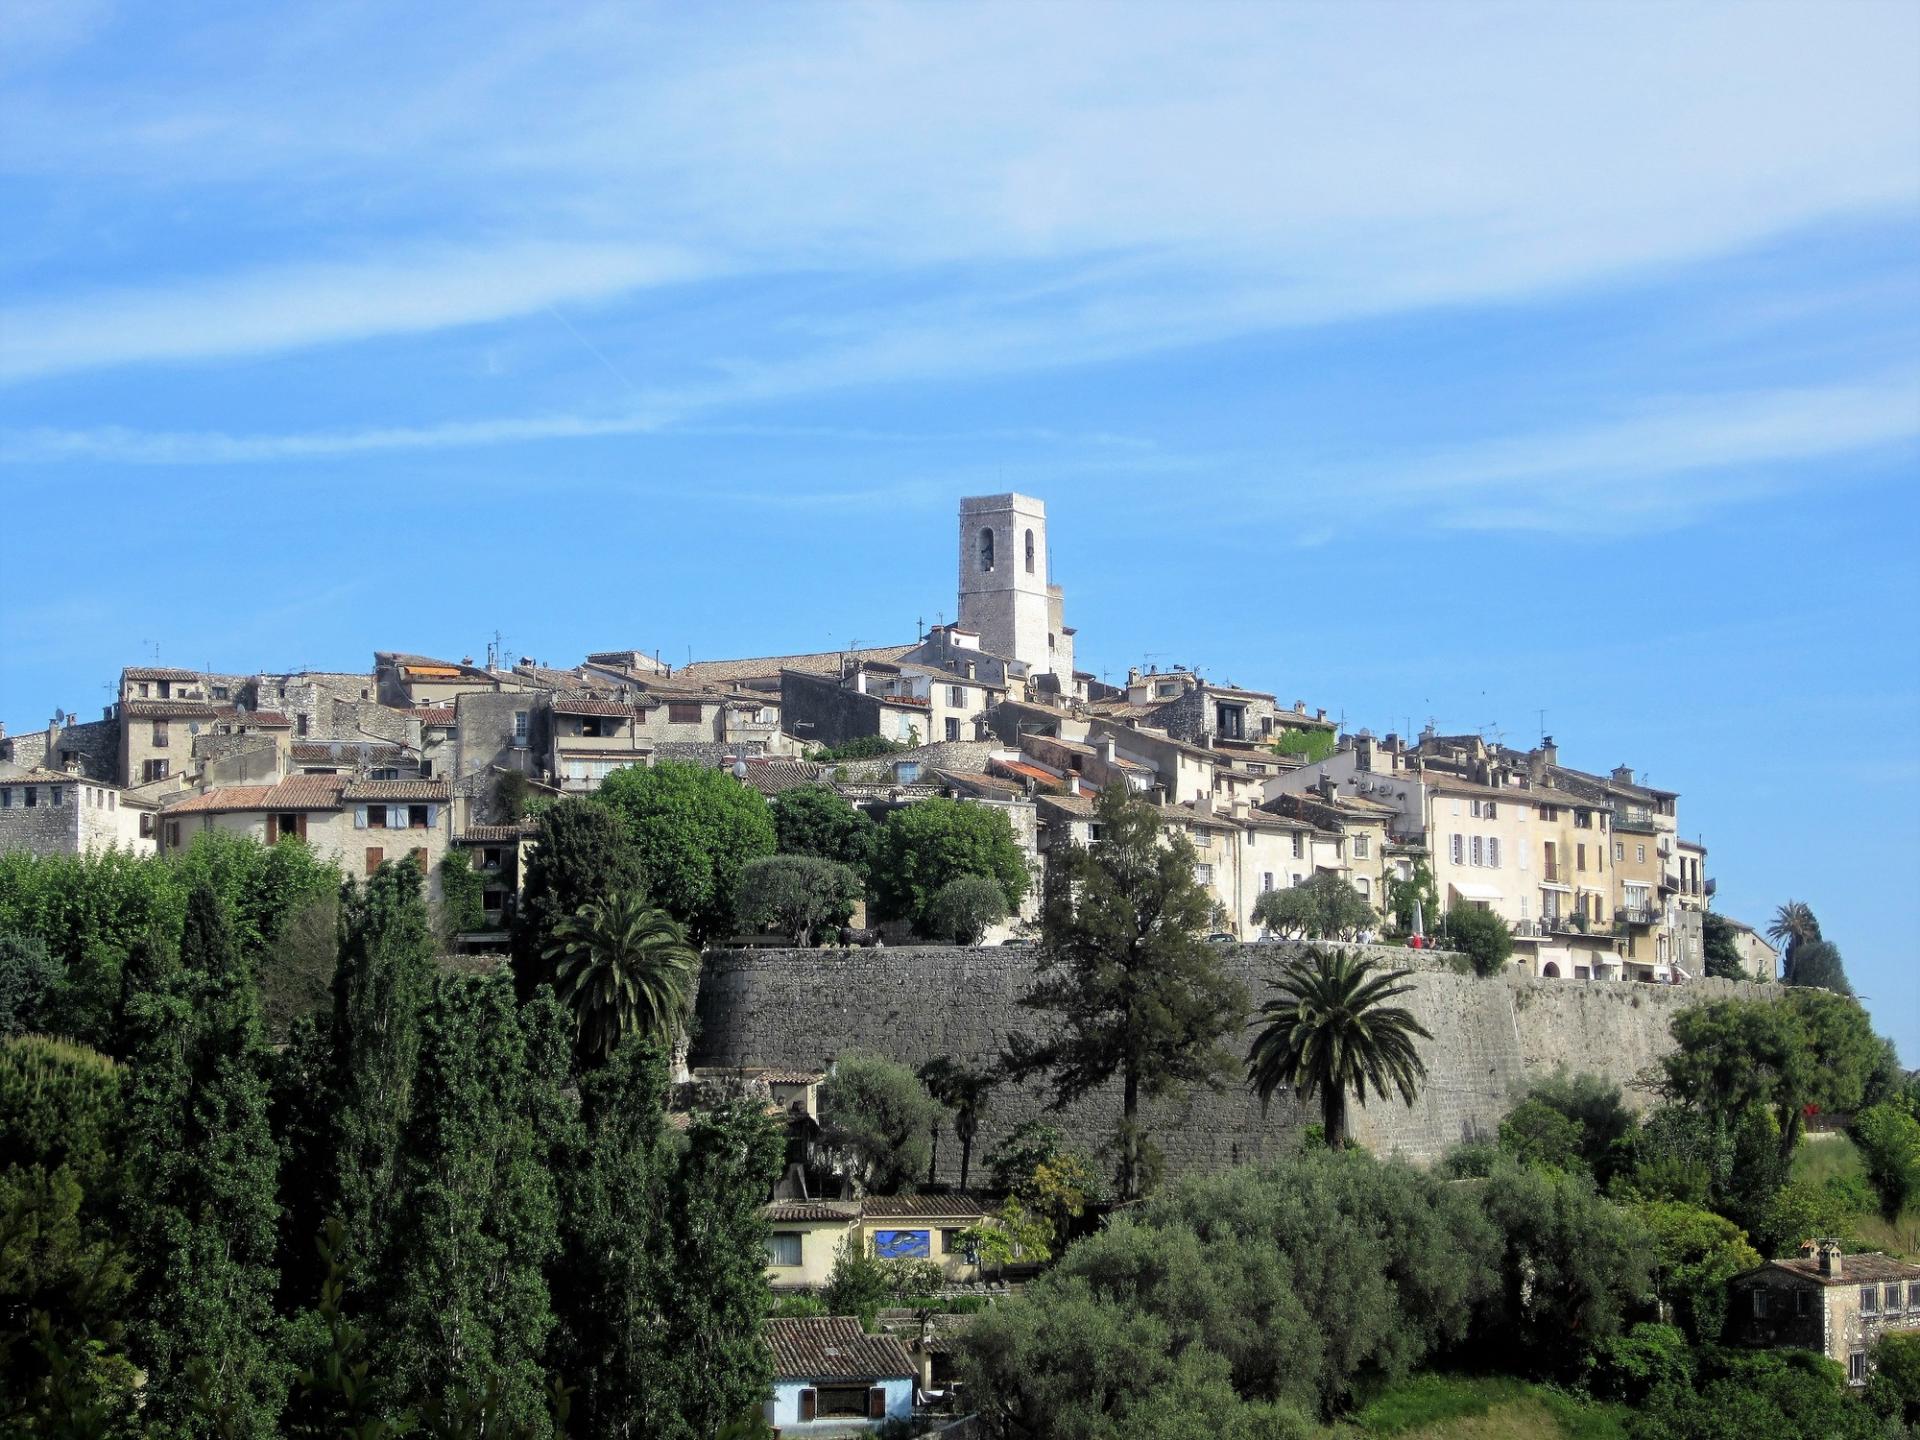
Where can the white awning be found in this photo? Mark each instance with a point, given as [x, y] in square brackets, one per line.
[1467, 890]
[1553, 885]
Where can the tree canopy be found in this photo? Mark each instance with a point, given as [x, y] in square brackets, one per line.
[798, 896]
[877, 1116]
[817, 820]
[691, 829]
[924, 845]
[580, 856]
[1322, 907]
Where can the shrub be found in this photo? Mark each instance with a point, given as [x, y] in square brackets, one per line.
[861, 1283]
[878, 1117]
[1893, 1390]
[1537, 1134]
[1889, 1141]
[963, 909]
[1324, 907]
[1481, 935]
[1632, 1366]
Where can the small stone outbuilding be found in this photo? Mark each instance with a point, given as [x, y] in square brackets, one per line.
[1836, 1304]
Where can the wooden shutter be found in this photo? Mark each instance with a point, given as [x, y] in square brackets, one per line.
[809, 1404]
[374, 856]
[303, 824]
[877, 1403]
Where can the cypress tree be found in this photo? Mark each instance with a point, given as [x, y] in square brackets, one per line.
[380, 986]
[201, 1212]
[463, 1284]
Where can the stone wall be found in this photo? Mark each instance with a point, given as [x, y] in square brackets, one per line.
[1492, 1039]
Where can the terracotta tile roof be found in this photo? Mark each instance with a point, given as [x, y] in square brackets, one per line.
[344, 752]
[828, 1210]
[223, 799]
[495, 834]
[791, 1077]
[819, 662]
[272, 719]
[1867, 1269]
[1074, 807]
[157, 672]
[772, 777]
[921, 1207]
[585, 705]
[834, 1348]
[306, 792]
[431, 714]
[1029, 772]
[394, 791]
[168, 710]
[997, 783]
[38, 775]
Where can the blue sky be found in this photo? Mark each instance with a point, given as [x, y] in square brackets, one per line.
[1454, 361]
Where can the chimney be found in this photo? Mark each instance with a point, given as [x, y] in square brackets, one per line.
[1549, 752]
[1239, 807]
[1830, 1259]
[1073, 783]
[1623, 773]
[1809, 1249]
[1106, 750]
[1326, 786]
[860, 681]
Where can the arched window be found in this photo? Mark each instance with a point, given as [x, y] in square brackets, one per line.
[986, 550]
[1550, 970]
[1029, 552]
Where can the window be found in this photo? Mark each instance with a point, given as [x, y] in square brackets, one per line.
[1476, 809]
[143, 689]
[6, 798]
[490, 858]
[1619, 851]
[1030, 552]
[1579, 857]
[1803, 1302]
[1760, 1298]
[160, 732]
[374, 856]
[957, 696]
[1362, 845]
[1583, 819]
[1493, 851]
[300, 725]
[54, 795]
[986, 551]
[783, 1248]
[377, 817]
[385, 772]
[1549, 812]
[417, 817]
[1857, 1367]
[1493, 809]
[846, 1400]
[1869, 1300]
[219, 692]
[1363, 887]
[1203, 873]
[1891, 1301]
[173, 834]
[1266, 881]
[1459, 849]
[1164, 689]
[521, 720]
[950, 1241]
[33, 797]
[1639, 854]
[590, 727]
[1479, 851]
[953, 728]
[1202, 840]
[1299, 846]
[683, 712]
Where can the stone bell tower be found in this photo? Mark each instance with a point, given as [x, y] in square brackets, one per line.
[1004, 594]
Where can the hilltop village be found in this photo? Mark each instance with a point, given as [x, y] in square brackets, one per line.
[421, 756]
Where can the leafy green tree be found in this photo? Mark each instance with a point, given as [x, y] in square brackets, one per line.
[1480, 935]
[1051, 1180]
[1534, 1133]
[1889, 1139]
[1781, 1394]
[97, 903]
[264, 888]
[579, 856]
[963, 1090]
[28, 976]
[464, 1299]
[817, 820]
[200, 1192]
[1696, 1253]
[691, 829]
[1331, 1032]
[1417, 889]
[1601, 1128]
[1323, 907]
[381, 986]
[924, 845]
[1135, 992]
[965, 908]
[861, 747]
[719, 1294]
[861, 1282]
[1573, 1267]
[878, 1117]
[1722, 953]
[617, 1247]
[463, 895]
[1893, 1389]
[795, 895]
[64, 1273]
[1647, 1358]
[623, 968]
[1817, 964]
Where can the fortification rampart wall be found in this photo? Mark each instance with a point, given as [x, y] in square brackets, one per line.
[1492, 1039]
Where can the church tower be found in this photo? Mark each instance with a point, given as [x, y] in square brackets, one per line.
[1004, 594]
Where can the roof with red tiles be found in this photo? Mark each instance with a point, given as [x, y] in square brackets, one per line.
[834, 1348]
[921, 1207]
[395, 791]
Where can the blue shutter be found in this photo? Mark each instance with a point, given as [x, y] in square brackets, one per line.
[359, 817]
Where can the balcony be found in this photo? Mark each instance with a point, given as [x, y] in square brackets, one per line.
[1633, 824]
[1636, 915]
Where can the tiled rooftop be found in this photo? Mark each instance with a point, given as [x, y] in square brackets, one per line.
[834, 1347]
[395, 791]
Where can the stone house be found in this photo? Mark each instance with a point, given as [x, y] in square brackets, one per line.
[828, 710]
[404, 682]
[498, 855]
[832, 1378]
[160, 711]
[1822, 1300]
[1758, 958]
[56, 812]
[91, 749]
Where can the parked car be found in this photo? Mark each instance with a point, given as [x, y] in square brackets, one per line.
[1020, 942]
[1222, 937]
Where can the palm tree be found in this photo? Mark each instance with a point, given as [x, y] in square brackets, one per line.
[1793, 926]
[964, 1092]
[624, 967]
[1331, 1031]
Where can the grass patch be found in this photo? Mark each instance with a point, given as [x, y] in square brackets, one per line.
[1453, 1407]
[1833, 1160]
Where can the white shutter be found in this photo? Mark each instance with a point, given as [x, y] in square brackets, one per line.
[359, 817]
[396, 817]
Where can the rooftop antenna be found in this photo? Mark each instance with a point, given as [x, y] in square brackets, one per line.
[1543, 723]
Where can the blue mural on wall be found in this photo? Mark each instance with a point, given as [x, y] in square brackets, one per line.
[902, 1244]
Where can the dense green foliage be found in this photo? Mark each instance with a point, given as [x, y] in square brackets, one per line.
[1136, 994]
[962, 1090]
[1480, 935]
[1322, 907]
[1818, 964]
[580, 857]
[28, 975]
[963, 909]
[1330, 1033]
[690, 828]
[1309, 747]
[462, 895]
[860, 747]
[924, 845]
[1888, 1135]
[1722, 954]
[816, 820]
[878, 1118]
[798, 896]
[1417, 889]
[623, 968]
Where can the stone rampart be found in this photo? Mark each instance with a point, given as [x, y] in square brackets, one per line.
[1492, 1039]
